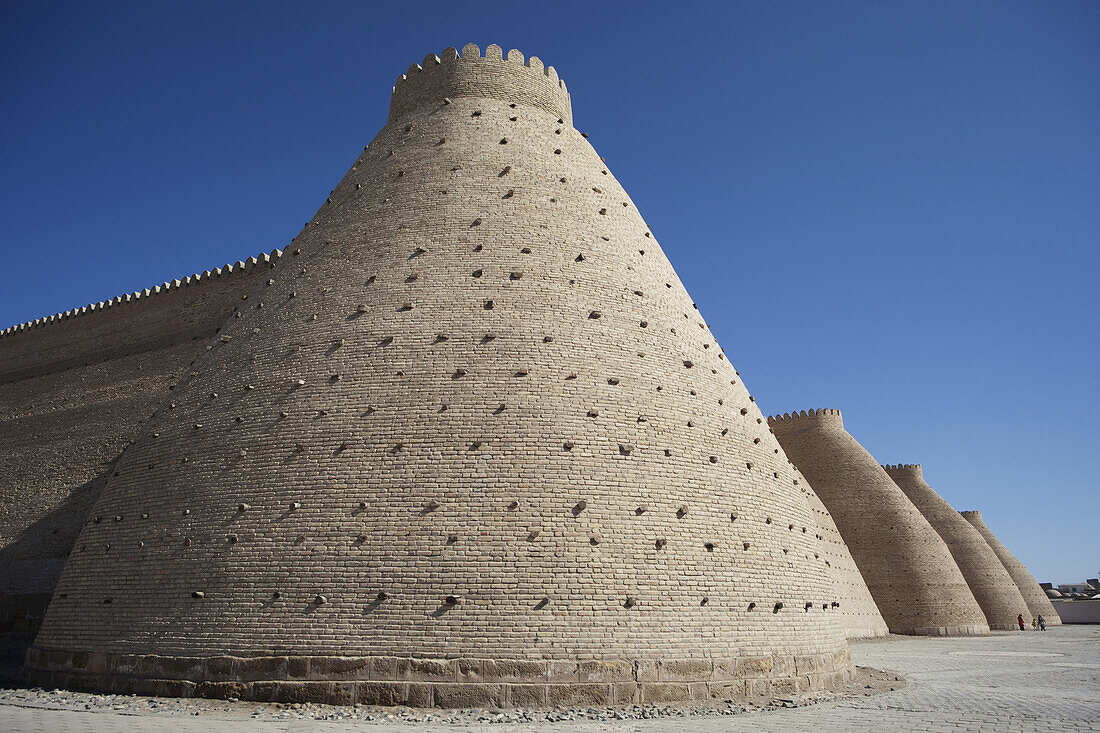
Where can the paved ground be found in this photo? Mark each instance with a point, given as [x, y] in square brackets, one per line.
[1006, 682]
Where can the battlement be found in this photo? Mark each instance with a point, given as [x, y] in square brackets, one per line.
[169, 314]
[492, 76]
[805, 418]
[138, 295]
[365, 362]
[972, 513]
[915, 467]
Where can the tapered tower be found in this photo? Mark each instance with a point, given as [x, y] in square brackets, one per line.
[990, 583]
[470, 444]
[908, 568]
[1037, 601]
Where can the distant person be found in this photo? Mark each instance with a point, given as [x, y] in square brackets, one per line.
[1034, 624]
[1042, 623]
[1020, 620]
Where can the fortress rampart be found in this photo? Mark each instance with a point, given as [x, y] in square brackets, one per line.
[1036, 600]
[990, 583]
[75, 389]
[908, 568]
[824, 418]
[859, 614]
[168, 314]
[494, 77]
[469, 444]
[474, 446]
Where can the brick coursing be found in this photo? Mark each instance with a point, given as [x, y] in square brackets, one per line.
[75, 389]
[1036, 600]
[993, 588]
[909, 569]
[472, 415]
[859, 615]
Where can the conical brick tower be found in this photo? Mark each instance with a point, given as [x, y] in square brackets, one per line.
[859, 615]
[908, 568]
[470, 444]
[990, 583]
[1037, 602]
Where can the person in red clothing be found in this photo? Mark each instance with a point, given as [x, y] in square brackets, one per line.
[1020, 619]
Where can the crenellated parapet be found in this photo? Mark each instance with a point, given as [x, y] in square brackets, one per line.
[803, 419]
[511, 79]
[142, 295]
[907, 467]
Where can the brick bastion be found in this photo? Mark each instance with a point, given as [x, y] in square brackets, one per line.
[990, 583]
[908, 567]
[859, 615]
[1037, 601]
[469, 444]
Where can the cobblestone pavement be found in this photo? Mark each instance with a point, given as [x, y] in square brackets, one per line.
[1006, 682]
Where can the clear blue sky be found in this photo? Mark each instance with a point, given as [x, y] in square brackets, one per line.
[891, 208]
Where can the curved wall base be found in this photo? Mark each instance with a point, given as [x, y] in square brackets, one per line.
[972, 630]
[448, 683]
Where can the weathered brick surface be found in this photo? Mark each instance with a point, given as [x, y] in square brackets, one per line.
[75, 389]
[909, 569]
[859, 615]
[992, 586]
[60, 434]
[473, 414]
[1023, 683]
[1037, 602]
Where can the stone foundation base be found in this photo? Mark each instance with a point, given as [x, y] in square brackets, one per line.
[449, 683]
[974, 630]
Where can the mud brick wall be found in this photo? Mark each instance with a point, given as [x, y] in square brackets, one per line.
[1037, 601]
[909, 569]
[990, 583]
[472, 414]
[74, 391]
[859, 615]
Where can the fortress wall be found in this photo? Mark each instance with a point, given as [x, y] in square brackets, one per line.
[909, 569]
[172, 313]
[74, 391]
[859, 615]
[1037, 601]
[478, 447]
[61, 433]
[990, 583]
